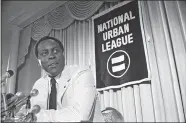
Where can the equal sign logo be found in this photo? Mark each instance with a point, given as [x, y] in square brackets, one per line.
[118, 63]
[118, 67]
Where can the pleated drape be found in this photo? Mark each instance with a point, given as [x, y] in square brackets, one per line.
[77, 42]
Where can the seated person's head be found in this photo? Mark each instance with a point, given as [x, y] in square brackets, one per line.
[50, 53]
[112, 115]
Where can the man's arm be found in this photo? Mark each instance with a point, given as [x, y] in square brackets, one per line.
[82, 103]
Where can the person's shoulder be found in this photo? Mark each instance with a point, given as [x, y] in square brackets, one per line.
[81, 75]
[76, 68]
[39, 81]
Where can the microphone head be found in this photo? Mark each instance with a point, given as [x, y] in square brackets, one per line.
[19, 115]
[9, 95]
[36, 109]
[10, 72]
[20, 94]
[34, 92]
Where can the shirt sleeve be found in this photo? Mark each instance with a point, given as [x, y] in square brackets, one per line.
[81, 107]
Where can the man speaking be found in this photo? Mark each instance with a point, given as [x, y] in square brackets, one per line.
[66, 93]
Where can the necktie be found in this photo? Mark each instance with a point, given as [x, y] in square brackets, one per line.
[53, 94]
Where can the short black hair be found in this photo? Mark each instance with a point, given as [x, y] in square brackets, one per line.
[46, 38]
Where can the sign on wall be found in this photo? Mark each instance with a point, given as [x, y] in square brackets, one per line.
[120, 52]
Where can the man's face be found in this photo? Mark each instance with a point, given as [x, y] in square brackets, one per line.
[51, 56]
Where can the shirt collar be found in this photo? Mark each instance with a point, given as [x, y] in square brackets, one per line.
[57, 77]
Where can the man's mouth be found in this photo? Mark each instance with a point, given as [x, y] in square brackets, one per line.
[53, 65]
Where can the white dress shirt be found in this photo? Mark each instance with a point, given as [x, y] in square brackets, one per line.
[76, 96]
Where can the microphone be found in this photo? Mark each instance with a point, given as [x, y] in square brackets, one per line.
[12, 99]
[9, 95]
[7, 74]
[30, 116]
[22, 101]
[35, 109]
[34, 92]
[17, 96]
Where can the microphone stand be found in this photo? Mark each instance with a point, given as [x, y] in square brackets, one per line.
[12, 111]
[4, 103]
[29, 117]
[28, 105]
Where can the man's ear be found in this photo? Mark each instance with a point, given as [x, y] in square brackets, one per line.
[39, 62]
